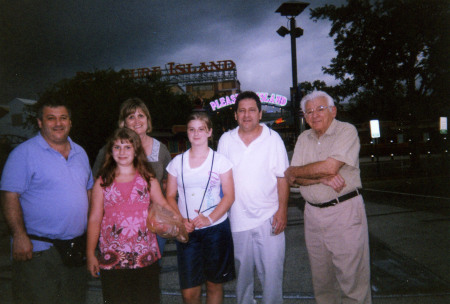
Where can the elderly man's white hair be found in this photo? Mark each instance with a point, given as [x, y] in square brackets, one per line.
[314, 95]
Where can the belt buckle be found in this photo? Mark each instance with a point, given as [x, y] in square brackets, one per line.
[334, 202]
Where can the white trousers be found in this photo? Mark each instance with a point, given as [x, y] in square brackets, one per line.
[259, 248]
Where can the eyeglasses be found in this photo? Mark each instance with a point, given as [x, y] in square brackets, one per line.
[319, 110]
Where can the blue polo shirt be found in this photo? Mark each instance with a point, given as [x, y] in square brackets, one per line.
[53, 190]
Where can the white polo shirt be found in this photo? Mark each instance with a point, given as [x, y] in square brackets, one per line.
[255, 171]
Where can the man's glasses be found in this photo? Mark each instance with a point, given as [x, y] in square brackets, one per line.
[318, 110]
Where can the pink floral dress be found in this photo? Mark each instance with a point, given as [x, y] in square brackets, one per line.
[125, 242]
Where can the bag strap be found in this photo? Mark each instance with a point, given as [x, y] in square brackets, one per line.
[207, 184]
[184, 190]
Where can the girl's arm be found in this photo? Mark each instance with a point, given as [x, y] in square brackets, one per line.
[93, 229]
[226, 179]
[171, 195]
[157, 197]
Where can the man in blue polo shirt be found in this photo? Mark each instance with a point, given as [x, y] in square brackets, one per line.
[45, 189]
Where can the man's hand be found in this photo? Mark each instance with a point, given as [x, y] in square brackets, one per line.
[289, 175]
[22, 248]
[279, 221]
[336, 182]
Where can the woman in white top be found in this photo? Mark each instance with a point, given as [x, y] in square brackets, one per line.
[198, 176]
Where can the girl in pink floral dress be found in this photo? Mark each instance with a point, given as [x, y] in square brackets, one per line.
[117, 220]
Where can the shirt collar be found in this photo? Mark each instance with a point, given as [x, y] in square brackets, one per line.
[153, 157]
[329, 132]
[44, 144]
[332, 128]
[265, 132]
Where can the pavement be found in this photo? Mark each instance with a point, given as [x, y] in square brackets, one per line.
[409, 225]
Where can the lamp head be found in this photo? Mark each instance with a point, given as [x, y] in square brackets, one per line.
[282, 31]
[298, 31]
[291, 8]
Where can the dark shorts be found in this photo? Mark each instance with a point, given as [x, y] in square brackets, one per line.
[208, 256]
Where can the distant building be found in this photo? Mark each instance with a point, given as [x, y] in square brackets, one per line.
[202, 82]
[213, 89]
[12, 121]
[207, 80]
[176, 89]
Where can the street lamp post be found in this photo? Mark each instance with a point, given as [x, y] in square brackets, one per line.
[291, 10]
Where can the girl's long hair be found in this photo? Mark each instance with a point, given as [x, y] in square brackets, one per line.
[108, 170]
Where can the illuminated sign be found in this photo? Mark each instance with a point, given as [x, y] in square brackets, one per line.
[375, 128]
[186, 73]
[172, 69]
[266, 99]
[443, 125]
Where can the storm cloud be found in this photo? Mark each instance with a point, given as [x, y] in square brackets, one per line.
[42, 42]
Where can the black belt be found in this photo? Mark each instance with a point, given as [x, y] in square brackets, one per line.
[338, 200]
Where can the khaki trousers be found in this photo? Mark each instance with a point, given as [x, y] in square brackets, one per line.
[338, 248]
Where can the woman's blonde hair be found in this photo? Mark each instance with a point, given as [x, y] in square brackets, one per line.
[130, 106]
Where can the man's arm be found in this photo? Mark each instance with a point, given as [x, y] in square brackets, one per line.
[336, 182]
[325, 172]
[315, 171]
[304, 181]
[280, 217]
[22, 248]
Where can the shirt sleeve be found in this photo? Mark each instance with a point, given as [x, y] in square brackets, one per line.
[17, 172]
[221, 147]
[85, 161]
[90, 183]
[281, 159]
[346, 146]
[296, 157]
[174, 166]
[224, 164]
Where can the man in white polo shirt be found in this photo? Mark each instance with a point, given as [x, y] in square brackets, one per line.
[258, 216]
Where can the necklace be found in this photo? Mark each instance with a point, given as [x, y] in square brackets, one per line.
[184, 190]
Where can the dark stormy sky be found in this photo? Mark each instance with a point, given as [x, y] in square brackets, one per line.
[42, 42]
